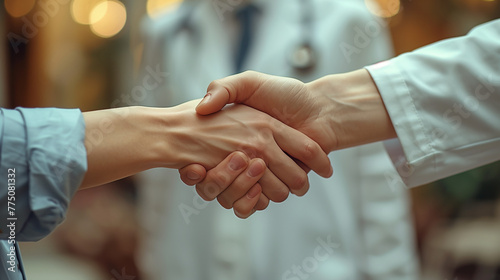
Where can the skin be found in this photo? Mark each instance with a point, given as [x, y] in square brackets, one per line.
[336, 111]
[121, 142]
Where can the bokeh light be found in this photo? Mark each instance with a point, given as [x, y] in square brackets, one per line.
[81, 9]
[108, 18]
[98, 12]
[384, 8]
[157, 7]
[18, 8]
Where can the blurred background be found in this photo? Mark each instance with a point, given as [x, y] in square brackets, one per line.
[86, 54]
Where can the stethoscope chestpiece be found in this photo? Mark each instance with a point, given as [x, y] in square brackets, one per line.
[302, 58]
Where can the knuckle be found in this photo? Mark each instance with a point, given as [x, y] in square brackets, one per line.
[310, 150]
[262, 203]
[302, 191]
[260, 146]
[250, 73]
[280, 195]
[221, 179]
[247, 148]
[299, 181]
[200, 190]
[207, 191]
[213, 84]
[254, 148]
[223, 201]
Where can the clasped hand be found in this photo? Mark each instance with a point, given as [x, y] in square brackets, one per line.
[271, 158]
[296, 106]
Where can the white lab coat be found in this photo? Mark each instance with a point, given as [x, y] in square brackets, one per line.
[444, 102]
[351, 226]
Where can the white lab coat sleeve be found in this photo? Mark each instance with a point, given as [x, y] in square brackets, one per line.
[444, 103]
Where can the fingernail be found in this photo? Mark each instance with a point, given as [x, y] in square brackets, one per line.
[193, 175]
[253, 192]
[237, 162]
[256, 169]
[205, 99]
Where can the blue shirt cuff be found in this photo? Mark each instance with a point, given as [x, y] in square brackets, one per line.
[46, 149]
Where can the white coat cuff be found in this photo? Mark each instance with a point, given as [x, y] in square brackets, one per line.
[413, 155]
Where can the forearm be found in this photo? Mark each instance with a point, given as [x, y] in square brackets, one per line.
[353, 109]
[123, 141]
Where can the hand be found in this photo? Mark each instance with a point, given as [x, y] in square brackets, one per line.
[208, 139]
[295, 114]
[337, 111]
[286, 99]
[241, 189]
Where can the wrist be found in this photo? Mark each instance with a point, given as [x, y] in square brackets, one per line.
[165, 127]
[148, 132]
[121, 142]
[353, 109]
[177, 141]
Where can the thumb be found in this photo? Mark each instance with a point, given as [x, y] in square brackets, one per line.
[232, 89]
[192, 174]
[213, 101]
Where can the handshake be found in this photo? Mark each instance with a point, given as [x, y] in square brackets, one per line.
[280, 129]
[245, 154]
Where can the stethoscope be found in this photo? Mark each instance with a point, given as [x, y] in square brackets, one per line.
[302, 57]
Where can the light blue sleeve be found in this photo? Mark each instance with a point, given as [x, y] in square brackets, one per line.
[42, 162]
